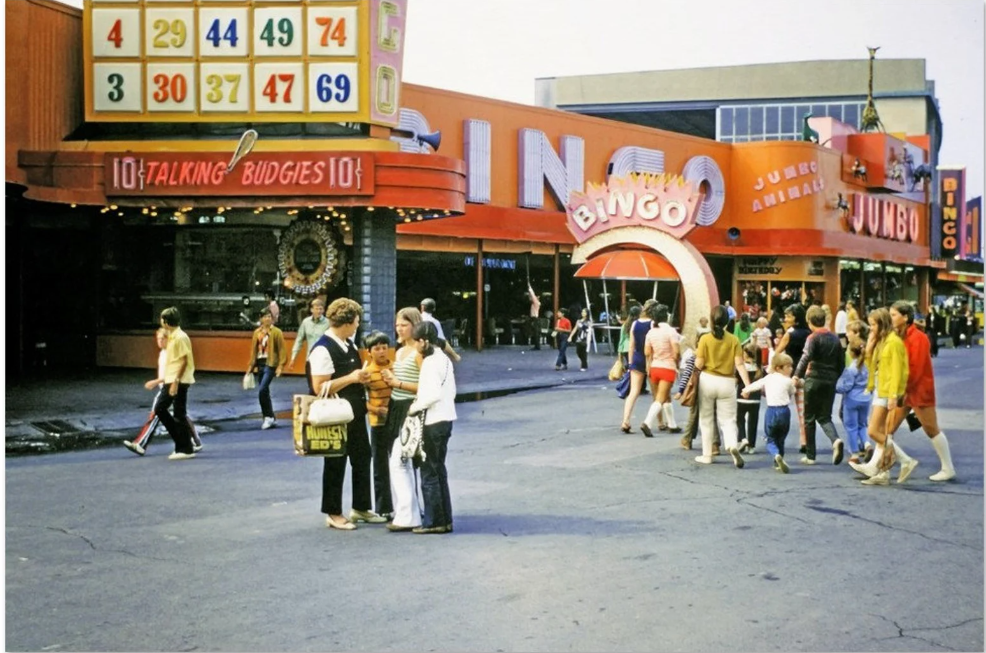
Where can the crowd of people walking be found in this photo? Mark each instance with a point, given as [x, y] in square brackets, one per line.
[881, 368]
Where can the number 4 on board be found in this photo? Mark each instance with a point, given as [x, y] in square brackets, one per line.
[338, 34]
[116, 34]
[229, 35]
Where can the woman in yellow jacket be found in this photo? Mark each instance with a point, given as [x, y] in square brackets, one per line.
[268, 355]
[886, 359]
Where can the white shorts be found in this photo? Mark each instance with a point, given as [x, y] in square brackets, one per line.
[880, 401]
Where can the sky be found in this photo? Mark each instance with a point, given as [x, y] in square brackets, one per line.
[497, 48]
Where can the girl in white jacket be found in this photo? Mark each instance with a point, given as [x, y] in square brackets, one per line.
[436, 398]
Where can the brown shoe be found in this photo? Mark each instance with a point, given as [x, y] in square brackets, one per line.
[686, 442]
[426, 530]
[715, 450]
[394, 528]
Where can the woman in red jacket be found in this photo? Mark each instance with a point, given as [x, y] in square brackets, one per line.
[920, 393]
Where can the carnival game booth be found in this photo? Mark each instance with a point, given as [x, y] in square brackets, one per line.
[637, 224]
[623, 265]
[224, 151]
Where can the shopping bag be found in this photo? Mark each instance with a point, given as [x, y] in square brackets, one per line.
[249, 382]
[623, 387]
[411, 438]
[691, 390]
[616, 372]
[310, 440]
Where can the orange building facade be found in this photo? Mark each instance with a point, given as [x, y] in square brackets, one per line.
[783, 221]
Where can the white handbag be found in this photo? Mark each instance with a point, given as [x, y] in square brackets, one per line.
[329, 410]
[412, 433]
[249, 383]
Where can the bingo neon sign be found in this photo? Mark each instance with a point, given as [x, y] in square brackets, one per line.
[663, 201]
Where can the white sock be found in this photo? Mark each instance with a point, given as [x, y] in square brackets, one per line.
[669, 416]
[651, 419]
[940, 443]
[902, 457]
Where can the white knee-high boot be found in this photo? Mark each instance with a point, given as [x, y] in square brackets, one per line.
[651, 419]
[669, 416]
[947, 473]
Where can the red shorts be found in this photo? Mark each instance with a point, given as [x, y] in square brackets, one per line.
[661, 374]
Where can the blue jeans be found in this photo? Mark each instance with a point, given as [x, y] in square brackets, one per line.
[265, 375]
[562, 351]
[855, 416]
[777, 424]
[434, 476]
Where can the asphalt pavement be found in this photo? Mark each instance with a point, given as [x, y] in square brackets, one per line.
[569, 536]
[69, 411]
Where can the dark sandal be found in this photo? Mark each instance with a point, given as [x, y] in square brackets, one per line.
[625, 428]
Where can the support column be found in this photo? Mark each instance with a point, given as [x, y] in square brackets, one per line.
[375, 269]
[480, 296]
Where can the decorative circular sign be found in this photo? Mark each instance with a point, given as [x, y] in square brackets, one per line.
[309, 258]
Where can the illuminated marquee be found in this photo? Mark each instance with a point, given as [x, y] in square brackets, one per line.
[299, 60]
[883, 218]
[158, 174]
[952, 205]
[666, 202]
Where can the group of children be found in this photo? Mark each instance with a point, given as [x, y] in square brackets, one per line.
[773, 376]
[781, 384]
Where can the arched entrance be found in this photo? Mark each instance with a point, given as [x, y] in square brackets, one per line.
[698, 284]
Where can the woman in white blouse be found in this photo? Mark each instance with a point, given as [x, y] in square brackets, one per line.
[436, 397]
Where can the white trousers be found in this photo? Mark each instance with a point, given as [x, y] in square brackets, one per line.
[403, 489]
[717, 399]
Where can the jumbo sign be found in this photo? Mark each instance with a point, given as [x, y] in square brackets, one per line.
[663, 201]
[884, 218]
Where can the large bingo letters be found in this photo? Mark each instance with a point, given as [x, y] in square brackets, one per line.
[236, 60]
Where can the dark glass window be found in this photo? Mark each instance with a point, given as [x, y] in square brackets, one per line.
[799, 116]
[756, 121]
[851, 115]
[835, 111]
[772, 116]
[818, 110]
[787, 120]
[742, 127]
[726, 122]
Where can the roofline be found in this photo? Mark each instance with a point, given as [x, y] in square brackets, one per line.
[747, 65]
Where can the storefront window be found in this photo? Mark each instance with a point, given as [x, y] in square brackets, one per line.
[894, 275]
[216, 276]
[873, 290]
[754, 295]
[849, 281]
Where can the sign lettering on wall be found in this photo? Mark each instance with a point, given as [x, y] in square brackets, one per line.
[972, 229]
[156, 174]
[185, 61]
[884, 218]
[792, 183]
[952, 206]
[665, 202]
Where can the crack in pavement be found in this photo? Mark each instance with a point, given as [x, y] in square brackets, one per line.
[902, 634]
[846, 513]
[92, 544]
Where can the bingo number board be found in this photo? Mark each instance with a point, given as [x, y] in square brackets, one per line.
[233, 60]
